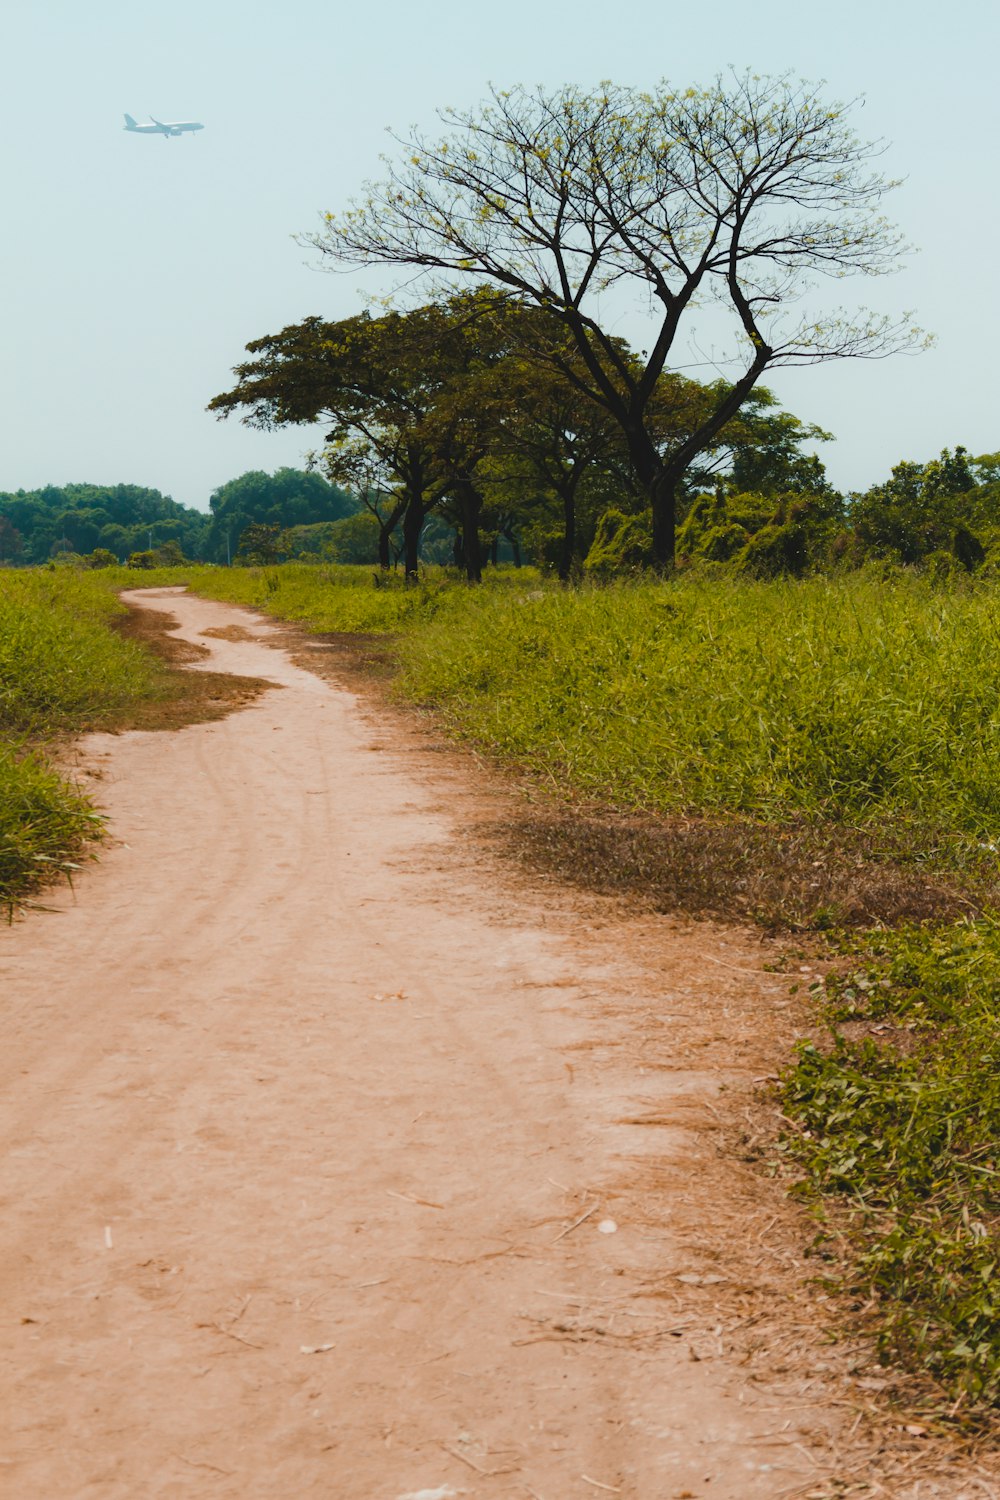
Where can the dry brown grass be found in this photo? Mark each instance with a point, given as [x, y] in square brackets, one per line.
[182, 696]
[797, 878]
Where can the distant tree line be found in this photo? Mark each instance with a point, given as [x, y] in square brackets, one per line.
[118, 522]
[765, 509]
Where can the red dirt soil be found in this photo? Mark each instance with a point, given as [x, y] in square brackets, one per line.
[347, 1162]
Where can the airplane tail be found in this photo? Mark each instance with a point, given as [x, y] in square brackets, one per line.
[129, 123]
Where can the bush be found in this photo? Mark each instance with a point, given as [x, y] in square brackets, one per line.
[622, 543]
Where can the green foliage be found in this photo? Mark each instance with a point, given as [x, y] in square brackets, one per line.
[857, 700]
[779, 550]
[622, 543]
[898, 1123]
[354, 540]
[60, 665]
[763, 535]
[924, 509]
[79, 518]
[260, 544]
[285, 499]
[327, 597]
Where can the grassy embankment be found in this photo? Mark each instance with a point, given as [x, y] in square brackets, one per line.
[61, 669]
[818, 754]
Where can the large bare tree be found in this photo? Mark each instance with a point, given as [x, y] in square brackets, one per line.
[745, 192]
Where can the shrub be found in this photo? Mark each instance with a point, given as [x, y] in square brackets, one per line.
[622, 543]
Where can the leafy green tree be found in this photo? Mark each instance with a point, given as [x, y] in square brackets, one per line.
[11, 540]
[288, 497]
[361, 377]
[746, 192]
[396, 393]
[543, 437]
[355, 539]
[922, 509]
[260, 544]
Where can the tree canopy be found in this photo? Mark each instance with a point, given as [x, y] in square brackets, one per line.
[745, 193]
[79, 518]
[284, 499]
[472, 406]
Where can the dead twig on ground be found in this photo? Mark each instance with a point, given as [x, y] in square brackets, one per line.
[411, 1198]
[477, 1468]
[576, 1223]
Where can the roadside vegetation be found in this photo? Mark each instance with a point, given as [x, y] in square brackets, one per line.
[61, 669]
[897, 1127]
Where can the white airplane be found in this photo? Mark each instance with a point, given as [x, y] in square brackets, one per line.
[159, 127]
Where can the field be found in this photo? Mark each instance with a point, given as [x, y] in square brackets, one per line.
[852, 724]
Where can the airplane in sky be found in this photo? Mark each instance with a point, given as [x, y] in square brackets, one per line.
[160, 127]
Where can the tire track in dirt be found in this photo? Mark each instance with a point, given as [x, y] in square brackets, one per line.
[305, 1101]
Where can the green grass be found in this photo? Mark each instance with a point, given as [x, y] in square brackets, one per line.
[851, 701]
[898, 1128]
[61, 669]
[329, 597]
[45, 824]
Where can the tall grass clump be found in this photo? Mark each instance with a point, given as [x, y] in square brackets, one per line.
[61, 669]
[44, 824]
[60, 665]
[852, 700]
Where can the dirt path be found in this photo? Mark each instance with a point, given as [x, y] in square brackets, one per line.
[318, 1125]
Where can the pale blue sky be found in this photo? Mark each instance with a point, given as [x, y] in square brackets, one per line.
[135, 269]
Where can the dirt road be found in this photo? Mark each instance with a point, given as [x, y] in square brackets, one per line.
[344, 1165]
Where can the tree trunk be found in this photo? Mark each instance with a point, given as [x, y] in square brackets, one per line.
[413, 524]
[660, 488]
[384, 530]
[471, 504]
[569, 535]
[664, 498]
[458, 549]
